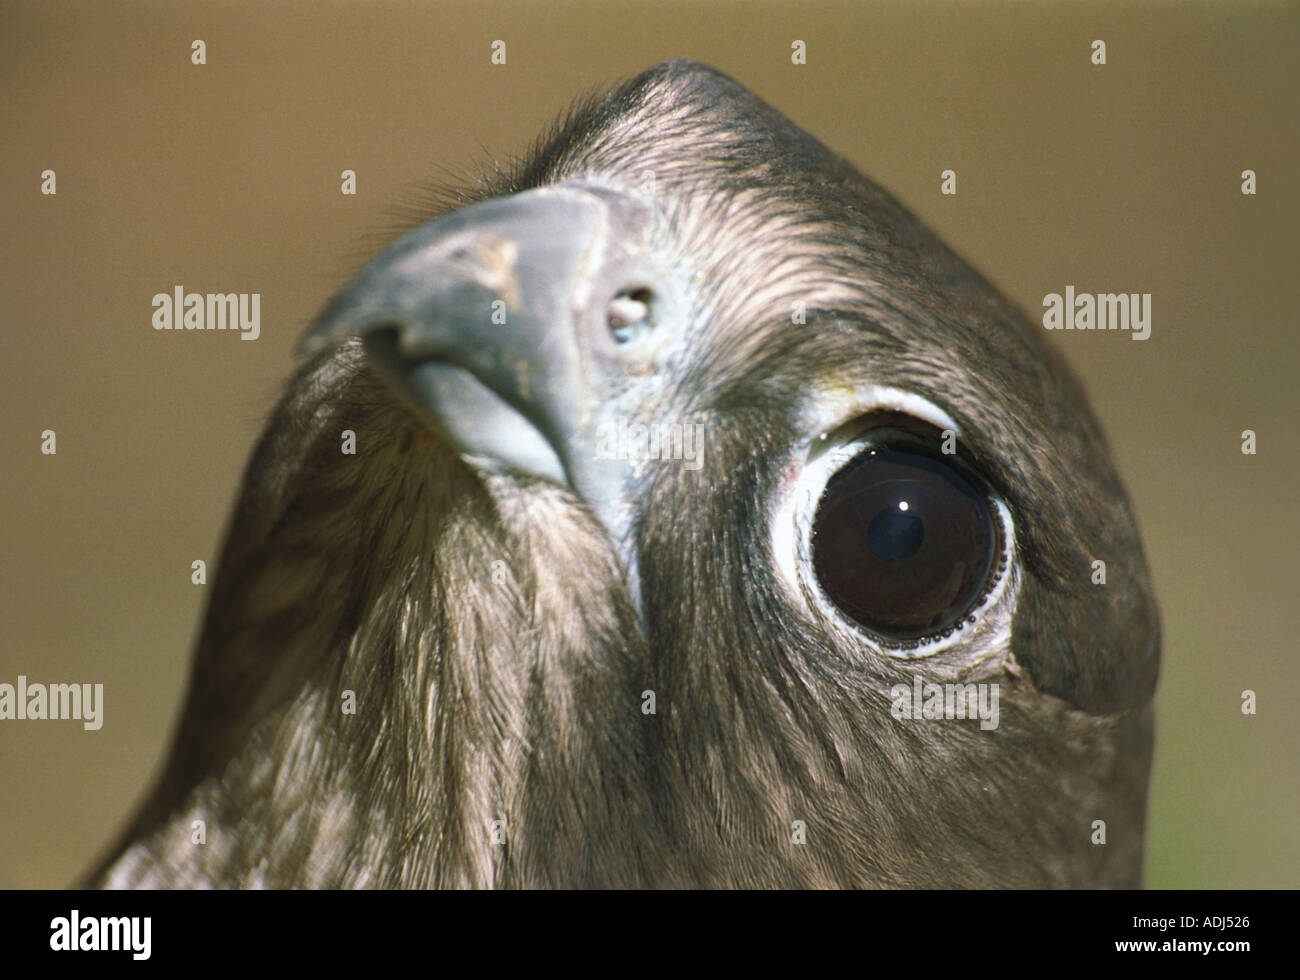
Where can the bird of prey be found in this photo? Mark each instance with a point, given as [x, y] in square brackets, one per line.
[692, 477]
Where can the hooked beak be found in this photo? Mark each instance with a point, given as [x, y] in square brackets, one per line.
[516, 327]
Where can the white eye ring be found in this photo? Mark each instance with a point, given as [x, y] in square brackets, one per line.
[983, 632]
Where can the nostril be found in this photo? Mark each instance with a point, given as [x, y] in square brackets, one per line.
[628, 314]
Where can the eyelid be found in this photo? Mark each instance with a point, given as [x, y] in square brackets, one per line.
[891, 430]
[828, 414]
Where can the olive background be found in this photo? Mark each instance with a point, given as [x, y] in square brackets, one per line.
[225, 177]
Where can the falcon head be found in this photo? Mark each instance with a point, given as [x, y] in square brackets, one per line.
[709, 523]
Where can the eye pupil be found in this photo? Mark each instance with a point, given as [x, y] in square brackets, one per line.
[894, 534]
[904, 544]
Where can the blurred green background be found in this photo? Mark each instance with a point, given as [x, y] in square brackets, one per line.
[225, 178]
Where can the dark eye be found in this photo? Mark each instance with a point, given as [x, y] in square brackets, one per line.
[904, 544]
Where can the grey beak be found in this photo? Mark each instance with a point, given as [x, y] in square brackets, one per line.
[516, 327]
